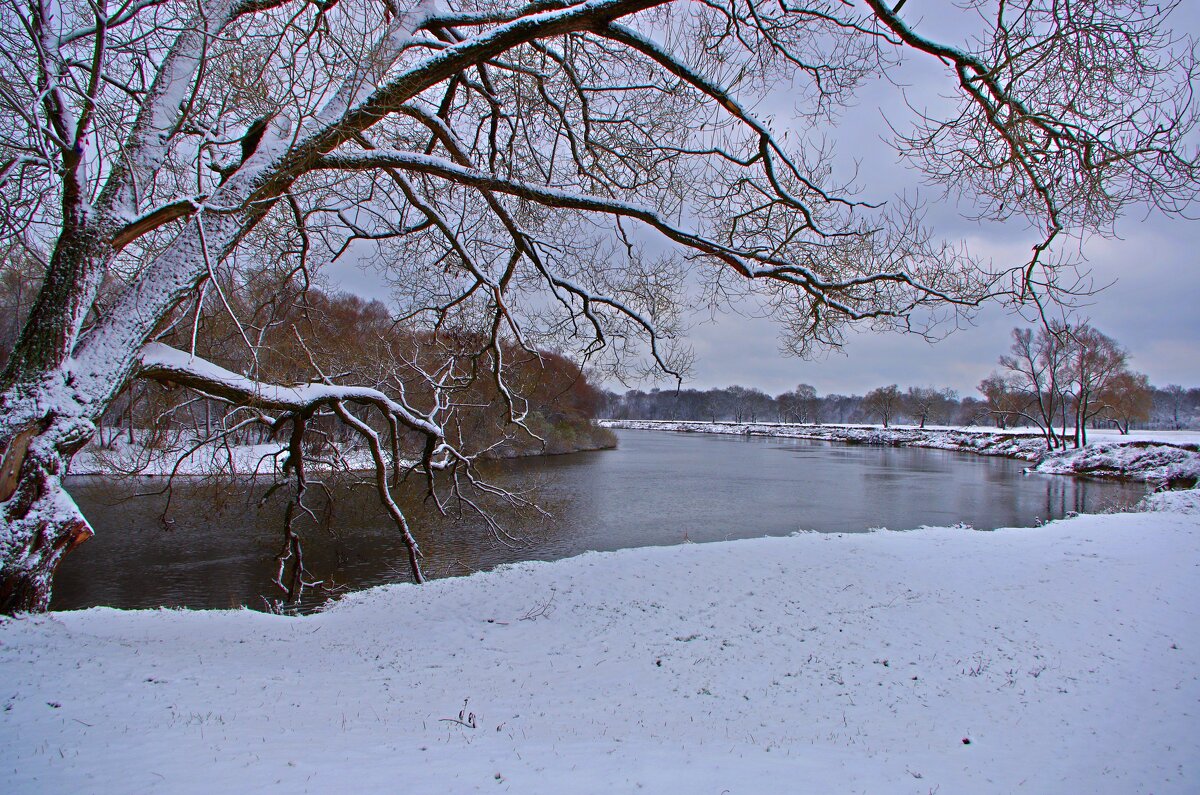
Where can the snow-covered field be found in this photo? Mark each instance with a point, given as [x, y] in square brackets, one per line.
[1059, 659]
[1165, 457]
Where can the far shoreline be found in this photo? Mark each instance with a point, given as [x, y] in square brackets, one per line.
[120, 459]
[1165, 464]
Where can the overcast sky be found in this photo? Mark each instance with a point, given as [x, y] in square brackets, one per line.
[1152, 306]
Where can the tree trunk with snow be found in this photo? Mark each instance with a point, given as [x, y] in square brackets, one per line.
[43, 426]
[41, 522]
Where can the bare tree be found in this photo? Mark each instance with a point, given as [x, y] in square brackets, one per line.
[840, 408]
[1002, 398]
[923, 402]
[1128, 398]
[973, 411]
[1095, 362]
[501, 161]
[800, 405]
[1175, 398]
[1037, 362]
[883, 403]
[1062, 371]
[19, 282]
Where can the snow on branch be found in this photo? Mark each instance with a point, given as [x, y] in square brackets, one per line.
[164, 363]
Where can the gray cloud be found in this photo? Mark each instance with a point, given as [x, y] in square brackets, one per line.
[1150, 307]
[1152, 269]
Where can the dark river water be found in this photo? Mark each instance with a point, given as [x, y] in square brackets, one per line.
[214, 545]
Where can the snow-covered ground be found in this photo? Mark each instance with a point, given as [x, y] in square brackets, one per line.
[183, 458]
[1164, 457]
[1159, 456]
[181, 455]
[1059, 659]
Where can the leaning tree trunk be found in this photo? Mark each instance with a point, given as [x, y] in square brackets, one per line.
[39, 522]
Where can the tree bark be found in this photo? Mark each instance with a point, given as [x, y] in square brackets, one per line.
[39, 521]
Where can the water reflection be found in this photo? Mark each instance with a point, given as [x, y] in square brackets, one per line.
[215, 546]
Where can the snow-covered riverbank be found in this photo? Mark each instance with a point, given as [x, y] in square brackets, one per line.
[1165, 458]
[1059, 659]
[185, 457]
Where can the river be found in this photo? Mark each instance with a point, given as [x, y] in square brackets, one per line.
[211, 546]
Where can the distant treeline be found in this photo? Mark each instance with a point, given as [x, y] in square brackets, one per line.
[291, 335]
[1062, 378]
[1170, 407]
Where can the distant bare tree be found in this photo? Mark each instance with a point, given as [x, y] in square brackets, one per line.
[923, 402]
[747, 404]
[1176, 397]
[973, 411]
[840, 408]
[1062, 373]
[1002, 399]
[883, 403]
[501, 162]
[1037, 363]
[20, 279]
[1095, 361]
[1127, 398]
[800, 405]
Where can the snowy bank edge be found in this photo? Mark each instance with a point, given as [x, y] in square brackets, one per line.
[1165, 464]
[251, 460]
[182, 700]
